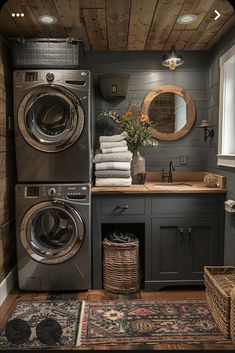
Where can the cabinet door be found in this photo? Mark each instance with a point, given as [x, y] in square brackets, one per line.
[201, 241]
[167, 249]
[182, 246]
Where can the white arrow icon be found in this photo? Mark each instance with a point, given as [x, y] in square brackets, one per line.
[217, 15]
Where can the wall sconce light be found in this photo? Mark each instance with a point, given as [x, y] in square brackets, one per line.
[207, 132]
[172, 59]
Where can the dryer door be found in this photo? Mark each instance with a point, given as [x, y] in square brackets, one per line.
[50, 118]
[52, 232]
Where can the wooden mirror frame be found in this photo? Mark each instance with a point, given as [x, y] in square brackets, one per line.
[191, 116]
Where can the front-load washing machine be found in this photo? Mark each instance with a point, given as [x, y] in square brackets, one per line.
[52, 115]
[53, 236]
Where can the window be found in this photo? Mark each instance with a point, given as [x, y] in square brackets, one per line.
[226, 147]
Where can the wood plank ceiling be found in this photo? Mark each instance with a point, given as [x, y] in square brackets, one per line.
[109, 25]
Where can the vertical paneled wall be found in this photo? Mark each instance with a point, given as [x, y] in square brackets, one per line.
[212, 144]
[146, 73]
[7, 165]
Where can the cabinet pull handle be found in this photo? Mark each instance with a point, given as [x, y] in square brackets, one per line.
[189, 231]
[181, 231]
[122, 207]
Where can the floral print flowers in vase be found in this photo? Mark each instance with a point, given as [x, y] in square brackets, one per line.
[136, 124]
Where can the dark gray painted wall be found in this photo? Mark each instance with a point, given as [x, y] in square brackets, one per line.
[212, 145]
[199, 75]
[147, 73]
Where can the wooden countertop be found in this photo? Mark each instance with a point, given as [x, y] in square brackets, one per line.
[153, 185]
[149, 188]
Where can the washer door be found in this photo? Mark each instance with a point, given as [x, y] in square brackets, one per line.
[50, 118]
[52, 232]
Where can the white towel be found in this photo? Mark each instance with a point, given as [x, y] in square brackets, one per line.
[113, 138]
[113, 165]
[113, 181]
[113, 144]
[114, 149]
[113, 157]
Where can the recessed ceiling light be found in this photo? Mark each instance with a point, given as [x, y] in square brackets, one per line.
[47, 19]
[187, 19]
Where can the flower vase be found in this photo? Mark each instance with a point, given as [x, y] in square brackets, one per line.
[138, 168]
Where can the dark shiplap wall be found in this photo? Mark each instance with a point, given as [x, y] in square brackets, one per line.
[212, 145]
[147, 73]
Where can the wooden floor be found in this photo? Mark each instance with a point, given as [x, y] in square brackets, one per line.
[170, 292]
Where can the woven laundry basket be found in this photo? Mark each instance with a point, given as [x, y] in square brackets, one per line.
[121, 267]
[232, 319]
[219, 281]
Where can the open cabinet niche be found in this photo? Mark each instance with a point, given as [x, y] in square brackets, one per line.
[136, 229]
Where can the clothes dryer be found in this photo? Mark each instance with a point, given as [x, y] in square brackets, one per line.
[53, 236]
[52, 115]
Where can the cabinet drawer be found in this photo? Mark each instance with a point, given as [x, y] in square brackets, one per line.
[122, 205]
[186, 205]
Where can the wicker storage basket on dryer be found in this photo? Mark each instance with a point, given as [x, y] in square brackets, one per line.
[121, 267]
[219, 281]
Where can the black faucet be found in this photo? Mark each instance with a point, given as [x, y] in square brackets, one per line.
[169, 174]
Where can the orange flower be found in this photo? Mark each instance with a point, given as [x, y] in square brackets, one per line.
[143, 118]
[126, 116]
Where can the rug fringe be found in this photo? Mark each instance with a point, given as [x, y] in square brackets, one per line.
[78, 343]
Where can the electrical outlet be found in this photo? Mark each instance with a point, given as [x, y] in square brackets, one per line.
[183, 160]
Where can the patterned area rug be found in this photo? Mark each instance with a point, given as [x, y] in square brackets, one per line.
[42, 324]
[154, 321]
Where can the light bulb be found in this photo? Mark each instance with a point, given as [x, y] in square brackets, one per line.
[172, 65]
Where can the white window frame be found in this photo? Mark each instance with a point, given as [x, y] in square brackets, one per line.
[227, 160]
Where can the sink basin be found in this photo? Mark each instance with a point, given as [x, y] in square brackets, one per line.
[172, 185]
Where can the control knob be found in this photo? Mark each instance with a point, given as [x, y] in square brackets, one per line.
[50, 76]
[51, 192]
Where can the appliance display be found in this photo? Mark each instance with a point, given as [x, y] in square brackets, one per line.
[53, 236]
[52, 115]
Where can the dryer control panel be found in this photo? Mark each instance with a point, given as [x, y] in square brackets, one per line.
[75, 79]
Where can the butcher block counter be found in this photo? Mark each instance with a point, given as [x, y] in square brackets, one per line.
[183, 182]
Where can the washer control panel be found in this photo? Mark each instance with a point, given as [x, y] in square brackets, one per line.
[71, 192]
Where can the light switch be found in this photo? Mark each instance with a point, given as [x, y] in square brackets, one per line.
[183, 159]
[114, 88]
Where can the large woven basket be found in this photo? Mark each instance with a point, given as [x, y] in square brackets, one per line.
[219, 281]
[121, 267]
[232, 319]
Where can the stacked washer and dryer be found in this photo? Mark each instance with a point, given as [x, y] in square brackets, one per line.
[52, 113]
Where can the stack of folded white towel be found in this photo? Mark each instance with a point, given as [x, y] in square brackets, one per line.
[113, 161]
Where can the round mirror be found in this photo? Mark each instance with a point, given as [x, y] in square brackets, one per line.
[171, 111]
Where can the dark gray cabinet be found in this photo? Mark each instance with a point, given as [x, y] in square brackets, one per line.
[179, 233]
[180, 247]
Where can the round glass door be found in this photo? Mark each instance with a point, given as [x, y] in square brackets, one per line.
[52, 232]
[50, 118]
